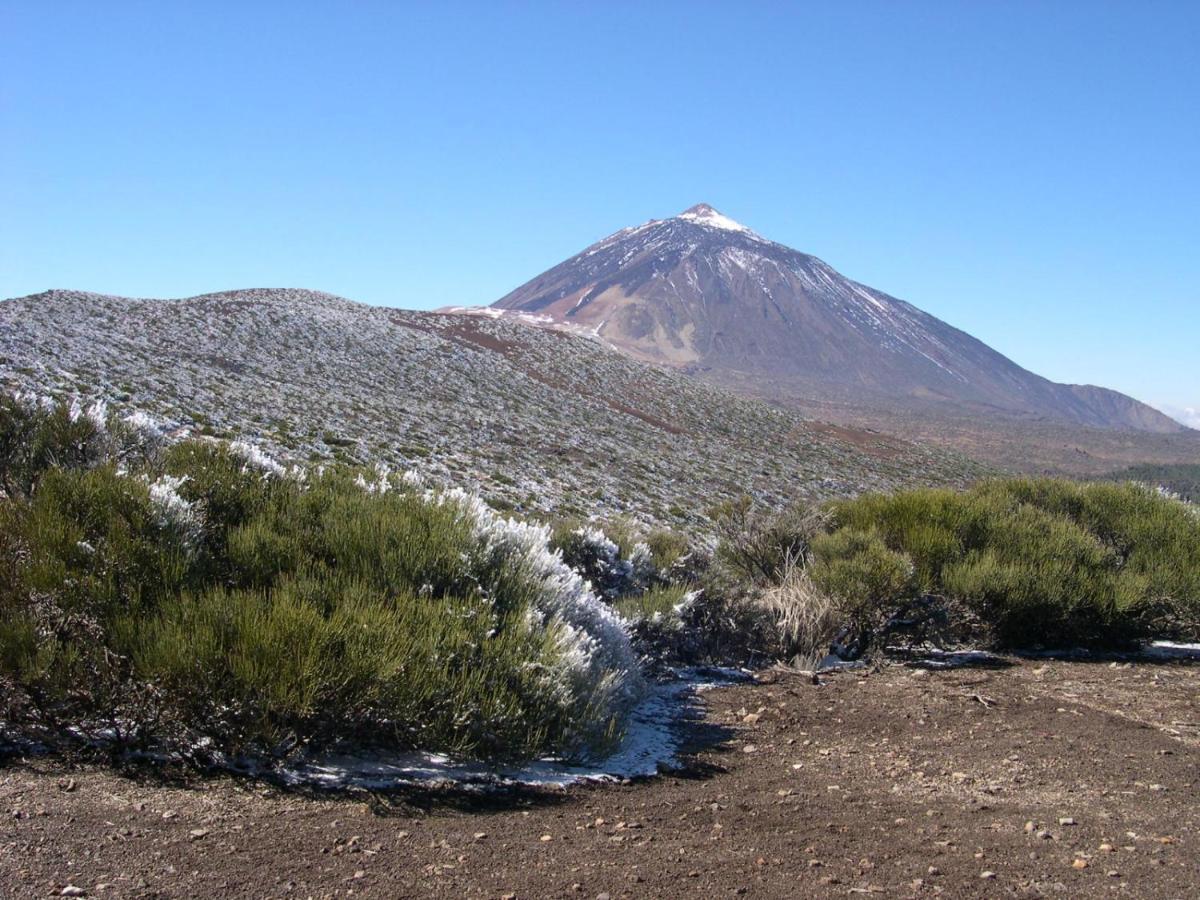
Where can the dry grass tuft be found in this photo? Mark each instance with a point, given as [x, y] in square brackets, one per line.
[805, 617]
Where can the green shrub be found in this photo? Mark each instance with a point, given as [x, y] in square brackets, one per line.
[325, 662]
[1042, 561]
[35, 440]
[667, 547]
[210, 593]
[758, 544]
[658, 603]
[857, 568]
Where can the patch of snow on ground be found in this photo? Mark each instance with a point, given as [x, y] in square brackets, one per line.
[1171, 650]
[651, 744]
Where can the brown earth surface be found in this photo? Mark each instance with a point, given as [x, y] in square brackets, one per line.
[1067, 779]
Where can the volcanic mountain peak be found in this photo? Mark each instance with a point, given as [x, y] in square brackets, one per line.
[700, 290]
[703, 214]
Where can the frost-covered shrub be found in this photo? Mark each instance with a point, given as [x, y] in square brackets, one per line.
[255, 459]
[612, 572]
[174, 512]
[597, 669]
[486, 642]
[37, 435]
[588, 551]
[206, 593]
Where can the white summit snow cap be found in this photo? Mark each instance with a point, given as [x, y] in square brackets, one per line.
[703, 214]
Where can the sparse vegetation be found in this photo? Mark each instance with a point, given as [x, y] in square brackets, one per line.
[538, 420]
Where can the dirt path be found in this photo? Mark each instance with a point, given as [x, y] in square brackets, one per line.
[1064, 779]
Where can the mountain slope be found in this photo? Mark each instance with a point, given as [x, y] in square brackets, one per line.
[702, 291]
[539, 420]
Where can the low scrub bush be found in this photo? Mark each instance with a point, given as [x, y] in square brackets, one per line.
[621, 560]
[661, 605]
[1042, 561]
[206, 592]
[614, 568]
[757, 545]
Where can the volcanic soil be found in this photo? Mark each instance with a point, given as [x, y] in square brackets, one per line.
[1029, 779]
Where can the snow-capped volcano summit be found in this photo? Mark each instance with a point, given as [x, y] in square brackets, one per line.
[703, 214]
[704, 291]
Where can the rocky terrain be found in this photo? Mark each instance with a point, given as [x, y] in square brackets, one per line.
[1046, 778]
[706, 294]
[536, 420]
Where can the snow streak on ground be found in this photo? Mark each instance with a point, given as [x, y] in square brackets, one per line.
[651, 744]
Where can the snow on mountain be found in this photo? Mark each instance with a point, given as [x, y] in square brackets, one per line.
[703, 214]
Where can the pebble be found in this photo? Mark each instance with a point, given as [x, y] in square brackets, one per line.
[1079, 864]
[72, 890]
[1066, 820]
[988, 875]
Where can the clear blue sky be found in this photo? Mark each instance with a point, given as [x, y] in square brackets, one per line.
[1029, 172]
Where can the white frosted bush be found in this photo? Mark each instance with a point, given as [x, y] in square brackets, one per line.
[174, 512]
[597, 674]
[96, 413]
[255, 458]
[381, 483]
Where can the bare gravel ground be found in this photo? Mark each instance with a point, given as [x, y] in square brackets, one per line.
[1040, 779]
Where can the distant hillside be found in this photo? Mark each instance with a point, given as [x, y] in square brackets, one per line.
[537, 420]
[702, 291]
[1183, 480]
